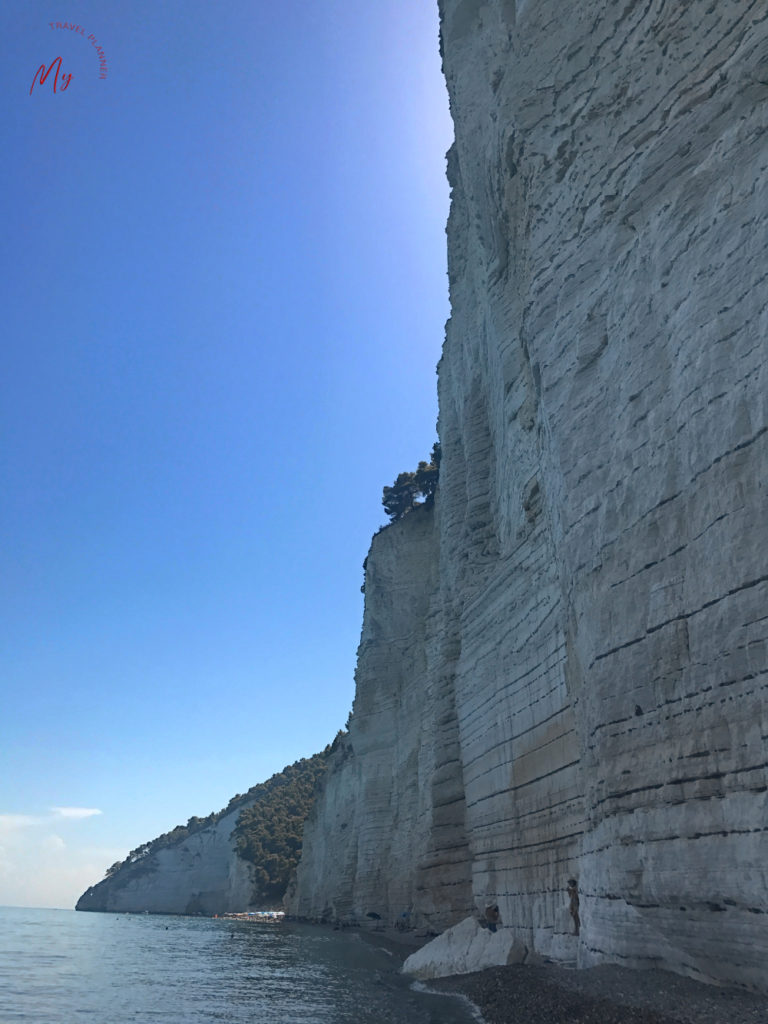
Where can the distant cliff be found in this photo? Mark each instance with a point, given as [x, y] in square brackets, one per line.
[240, 858]
[562, 672]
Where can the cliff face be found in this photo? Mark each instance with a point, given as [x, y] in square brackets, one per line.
[378, 832]
[201, 874]
[562, 670]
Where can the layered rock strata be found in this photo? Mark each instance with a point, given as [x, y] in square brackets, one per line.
[562, 670]
[202, 874]
[388, 822]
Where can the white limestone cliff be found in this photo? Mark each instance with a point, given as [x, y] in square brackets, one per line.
[466, 947]
[386, 823]
[202, 874]
[562, 670]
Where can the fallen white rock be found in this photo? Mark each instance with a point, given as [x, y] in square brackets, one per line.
[464, 948]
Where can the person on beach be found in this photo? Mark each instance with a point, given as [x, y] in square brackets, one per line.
[573, 892]
[492, 916]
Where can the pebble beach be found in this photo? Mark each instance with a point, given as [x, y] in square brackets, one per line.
[609, 994]
[601, 995]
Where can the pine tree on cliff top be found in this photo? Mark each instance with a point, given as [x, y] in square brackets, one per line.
[403, 495]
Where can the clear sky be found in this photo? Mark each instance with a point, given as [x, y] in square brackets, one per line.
[223, 295]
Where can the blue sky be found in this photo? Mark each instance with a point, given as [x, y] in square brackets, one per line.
[224, 293]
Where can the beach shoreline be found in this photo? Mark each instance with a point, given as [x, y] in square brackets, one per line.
[607, 994]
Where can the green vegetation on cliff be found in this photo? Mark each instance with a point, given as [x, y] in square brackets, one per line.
[269, 831]
[403, 495]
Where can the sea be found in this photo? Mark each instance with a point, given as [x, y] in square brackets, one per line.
[61, 967]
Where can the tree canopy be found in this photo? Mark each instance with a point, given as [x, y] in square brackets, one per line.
[413, 489]
[268, 831]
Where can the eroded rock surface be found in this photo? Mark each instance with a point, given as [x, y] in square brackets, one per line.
[463, 949]
[389, 821]
[563, 667]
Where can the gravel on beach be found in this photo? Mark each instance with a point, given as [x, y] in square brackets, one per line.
[602, 995]
[549, 994]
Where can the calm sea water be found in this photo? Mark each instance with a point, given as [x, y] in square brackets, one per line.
[58, 966]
